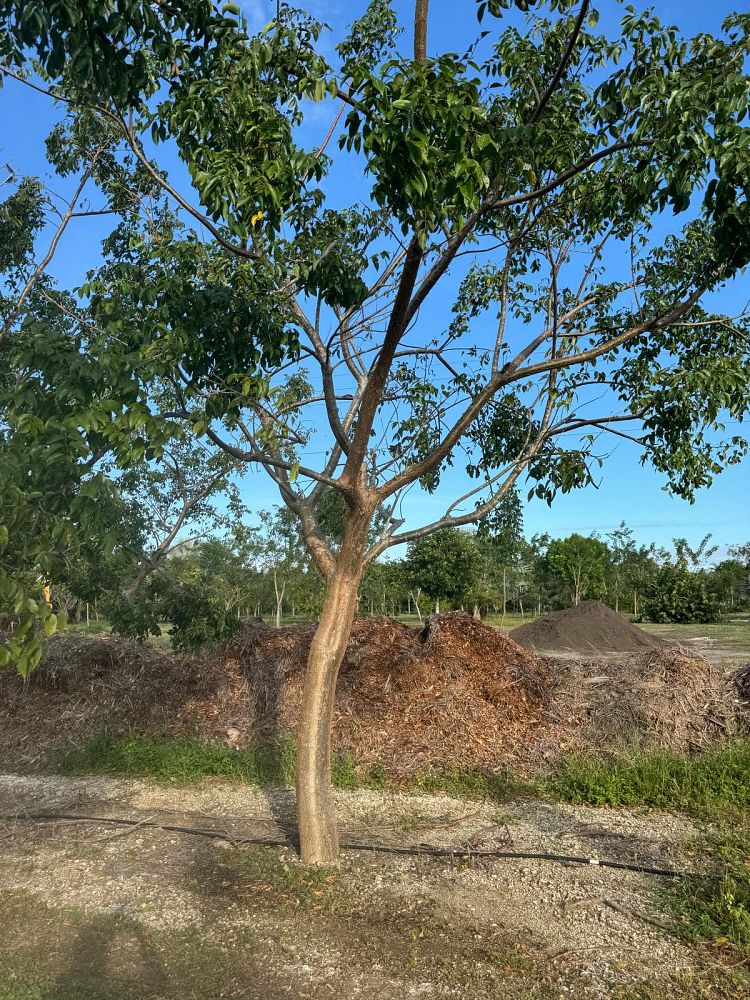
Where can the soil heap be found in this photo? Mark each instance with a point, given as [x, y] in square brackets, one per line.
[591, 627]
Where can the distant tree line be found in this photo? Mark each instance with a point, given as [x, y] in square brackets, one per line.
[197, 560]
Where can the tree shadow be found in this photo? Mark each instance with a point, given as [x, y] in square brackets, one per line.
[109, 958]
[276, 753]
[282, 804]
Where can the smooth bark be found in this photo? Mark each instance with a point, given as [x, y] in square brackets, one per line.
[315, 805]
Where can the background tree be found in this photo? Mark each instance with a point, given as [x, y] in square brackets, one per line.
[580, 562]
[499, 537]
[679, 595]
[729, 582]
[446, 565]
[621, 549]
[641, 565]
[283, 554]
[695, 558]
[542, 161]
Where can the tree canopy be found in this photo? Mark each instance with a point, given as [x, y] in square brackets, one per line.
[577, 193]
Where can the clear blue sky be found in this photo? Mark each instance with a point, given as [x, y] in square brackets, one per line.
[628, 491]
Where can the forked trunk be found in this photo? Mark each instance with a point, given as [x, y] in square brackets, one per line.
[315, 806]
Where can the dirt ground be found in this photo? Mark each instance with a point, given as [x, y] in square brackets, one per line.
[93, 910]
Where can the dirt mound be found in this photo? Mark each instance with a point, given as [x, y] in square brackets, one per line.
[454, 694]
[591, 627]
[666, 698]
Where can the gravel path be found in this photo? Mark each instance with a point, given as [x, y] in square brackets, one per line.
[593, 927]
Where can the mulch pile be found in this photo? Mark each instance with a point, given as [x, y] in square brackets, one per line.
[591, 627]
[742, 687]
[86, 685]
[454, 695]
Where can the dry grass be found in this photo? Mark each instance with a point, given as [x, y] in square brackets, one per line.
[667, 698]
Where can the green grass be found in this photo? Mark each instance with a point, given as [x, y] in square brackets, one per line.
[732, 632]
[718, 909]
[473, 785]
[190, 760]
[713, 785]
[709, 983]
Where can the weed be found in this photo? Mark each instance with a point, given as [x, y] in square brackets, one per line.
[714, 784]
[190, 760]
[271, 878]
[472, 784]
[717, 909]
[183, 760]
[712, 983]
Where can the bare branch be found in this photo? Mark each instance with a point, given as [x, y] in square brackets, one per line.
[562, 65]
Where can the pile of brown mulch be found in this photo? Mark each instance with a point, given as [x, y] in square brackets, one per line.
[456, 694]
[86, 685]
[453, 695]
[741, 681]
[666, 698]
[591, 627]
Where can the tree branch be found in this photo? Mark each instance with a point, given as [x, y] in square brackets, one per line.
[41, 267]
[562, 65]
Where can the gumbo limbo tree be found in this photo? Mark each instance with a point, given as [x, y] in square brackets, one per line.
[577, 194]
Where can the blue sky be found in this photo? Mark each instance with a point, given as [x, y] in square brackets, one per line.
[627, 491]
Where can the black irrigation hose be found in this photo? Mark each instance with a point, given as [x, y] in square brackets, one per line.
[422, 850]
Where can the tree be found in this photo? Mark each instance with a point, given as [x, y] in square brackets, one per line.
[384, 586]
[580, 562]
[621, 549]
[729, 582]
[282, 554]
[694, 557]
[639, 569]
[679, 595]
[540, 166]
[499, 536]
[446, 565]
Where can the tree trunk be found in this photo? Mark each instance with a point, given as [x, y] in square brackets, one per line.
[279, 598]
[415, 595]
[437, 606]
[505, 594]
[315, 806]
[420, 30]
